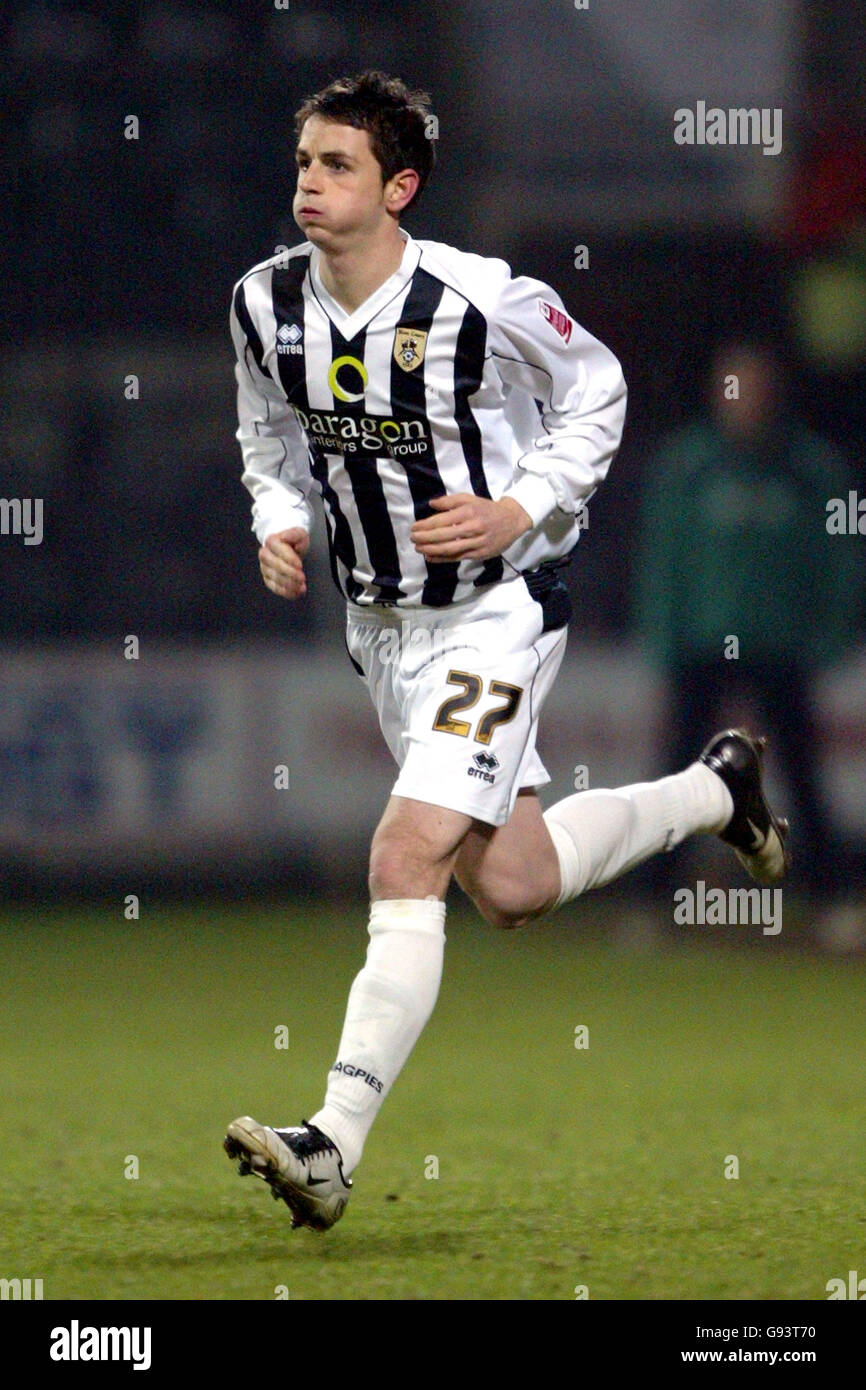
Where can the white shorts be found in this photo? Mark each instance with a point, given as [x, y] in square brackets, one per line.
[458, 692]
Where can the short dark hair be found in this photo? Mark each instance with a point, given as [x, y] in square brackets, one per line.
[397, 120]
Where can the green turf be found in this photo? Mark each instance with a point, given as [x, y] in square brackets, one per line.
[557, 1166]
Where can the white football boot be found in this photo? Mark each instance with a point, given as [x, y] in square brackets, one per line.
[302, 1166]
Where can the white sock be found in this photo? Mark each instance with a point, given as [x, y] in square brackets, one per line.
[599, 835]
[389, 1003]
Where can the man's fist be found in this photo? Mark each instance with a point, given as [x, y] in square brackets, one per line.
[280, 561]
[467, 527]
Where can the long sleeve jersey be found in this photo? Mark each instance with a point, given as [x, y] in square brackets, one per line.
[453, 377]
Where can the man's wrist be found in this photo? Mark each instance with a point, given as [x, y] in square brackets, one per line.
[518, 514]
[534, 494]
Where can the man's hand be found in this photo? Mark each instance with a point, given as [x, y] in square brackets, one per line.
[280, 561]
[467, 527]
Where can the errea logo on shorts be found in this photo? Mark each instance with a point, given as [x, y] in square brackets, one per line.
[485, 767]
[289, 337]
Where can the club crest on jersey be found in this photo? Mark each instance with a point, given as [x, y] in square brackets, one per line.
[409, 347]
[556, 318]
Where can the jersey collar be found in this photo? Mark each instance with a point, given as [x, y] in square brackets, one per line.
[350, 324]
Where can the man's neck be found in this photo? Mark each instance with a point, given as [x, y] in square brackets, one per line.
[352, 276]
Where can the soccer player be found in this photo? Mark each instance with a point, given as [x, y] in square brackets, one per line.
[454, 420]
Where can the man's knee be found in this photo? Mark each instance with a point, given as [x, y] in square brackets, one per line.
[395, 863]
[507, 910]
[412, 856]
[502, 919]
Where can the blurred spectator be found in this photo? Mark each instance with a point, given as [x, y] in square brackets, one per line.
[742, 594]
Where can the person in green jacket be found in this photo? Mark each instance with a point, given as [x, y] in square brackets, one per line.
[743, 592]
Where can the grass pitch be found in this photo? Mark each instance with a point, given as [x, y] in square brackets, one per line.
[508, 1163]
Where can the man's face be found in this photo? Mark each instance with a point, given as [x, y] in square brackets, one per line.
[340, 192]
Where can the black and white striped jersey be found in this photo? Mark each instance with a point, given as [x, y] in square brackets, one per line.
[452, 377]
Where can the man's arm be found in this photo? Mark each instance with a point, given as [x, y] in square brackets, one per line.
[549, 358]
[539, 349]
[275, 457]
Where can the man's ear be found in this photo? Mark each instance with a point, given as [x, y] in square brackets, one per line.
[401, 189]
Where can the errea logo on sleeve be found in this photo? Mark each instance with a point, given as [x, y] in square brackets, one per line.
[556, 318]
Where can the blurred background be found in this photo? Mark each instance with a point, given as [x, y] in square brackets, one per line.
[151, 688]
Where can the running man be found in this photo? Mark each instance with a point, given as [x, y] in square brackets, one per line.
[455, 420]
